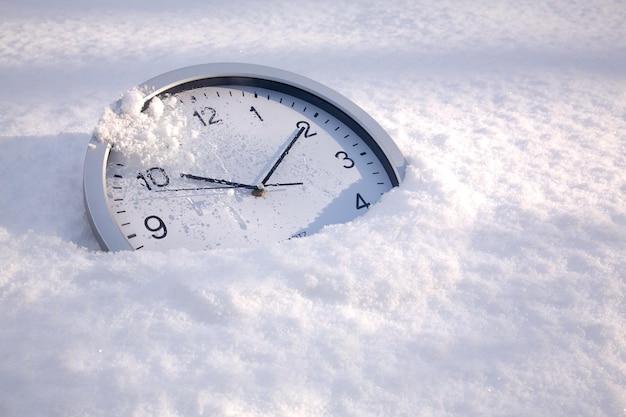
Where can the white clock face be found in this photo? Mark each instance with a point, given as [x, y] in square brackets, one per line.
[269, 164]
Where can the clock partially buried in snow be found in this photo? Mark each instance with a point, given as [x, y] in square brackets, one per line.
[232, 155]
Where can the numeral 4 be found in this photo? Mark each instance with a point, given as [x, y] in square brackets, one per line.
[360, 202]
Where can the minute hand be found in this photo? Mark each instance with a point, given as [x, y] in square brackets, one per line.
[304, 127]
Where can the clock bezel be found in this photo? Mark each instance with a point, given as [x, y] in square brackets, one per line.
[102, 220]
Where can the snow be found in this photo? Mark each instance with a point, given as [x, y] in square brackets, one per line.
[491, 282]
[152, 136]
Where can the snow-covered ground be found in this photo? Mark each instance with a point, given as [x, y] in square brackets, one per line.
[491, 282]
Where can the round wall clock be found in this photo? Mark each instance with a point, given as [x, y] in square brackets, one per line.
[262, 156]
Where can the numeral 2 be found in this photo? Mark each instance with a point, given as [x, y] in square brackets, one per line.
[306, 126]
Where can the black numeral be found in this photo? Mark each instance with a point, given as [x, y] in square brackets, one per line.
[306, 126]
[360, 202]
[159, 228]
[155, 176]
[212, 114]
[298, 235]
[349, 163]
[253, 110]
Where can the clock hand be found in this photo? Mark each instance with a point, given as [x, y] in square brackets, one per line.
[218, 181]
[257, 190]
[286, 151]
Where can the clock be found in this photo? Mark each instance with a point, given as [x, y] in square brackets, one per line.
[258, 156]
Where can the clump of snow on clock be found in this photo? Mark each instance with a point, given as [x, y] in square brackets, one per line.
[154, 135]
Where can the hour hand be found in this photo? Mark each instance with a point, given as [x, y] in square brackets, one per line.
[218, 181]
[257, 190]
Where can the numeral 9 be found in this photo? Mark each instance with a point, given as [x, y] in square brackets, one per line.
[160, 227]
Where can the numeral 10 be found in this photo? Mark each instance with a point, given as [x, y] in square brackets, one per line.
[154, 177]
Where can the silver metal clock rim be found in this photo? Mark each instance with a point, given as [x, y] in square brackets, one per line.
[94, 182]
[101, 219]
